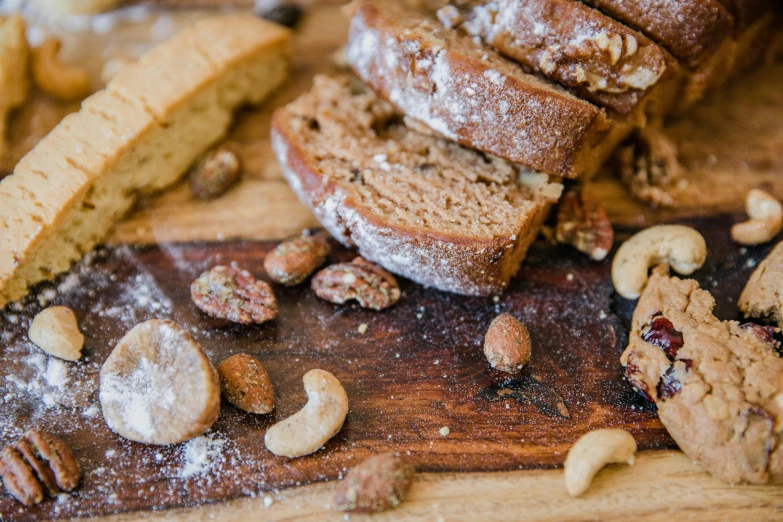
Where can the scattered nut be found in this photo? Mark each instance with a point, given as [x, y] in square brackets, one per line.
[366, 282]
[56, 332]
[582, 222]
[507, 344]
[307, 430]
[235, 295]
[55, 78]
[245, 384]
[14, 81]
[158, 387]
[766, 219]
[75, 7]
[292, 261]
[377, 484]
[593, 451]
[683, 248]
[217, 171]
[38, 464]
[763, 294]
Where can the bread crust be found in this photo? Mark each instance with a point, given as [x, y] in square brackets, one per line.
[689, 29]
[471, 94]
[601, 60]
[470, 266]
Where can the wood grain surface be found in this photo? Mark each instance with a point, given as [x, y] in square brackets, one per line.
[730, 143]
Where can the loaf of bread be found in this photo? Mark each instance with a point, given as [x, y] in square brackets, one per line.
[692, 30]
[469, 93]
[139, 135]
[419, 205]
[599, 59]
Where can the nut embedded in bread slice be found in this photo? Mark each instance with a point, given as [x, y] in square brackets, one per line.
[419, 205]
[599, 59]
[469, 93]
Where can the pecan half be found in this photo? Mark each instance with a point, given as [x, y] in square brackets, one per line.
[582, 223]
[38, 463]
[377, 484]
[292, 261]
[372, 286]
[235, 295]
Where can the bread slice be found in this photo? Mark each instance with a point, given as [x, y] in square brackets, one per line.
[471, 94]
[599, 59]
[692, 30]
[139, 135]
[419, 205]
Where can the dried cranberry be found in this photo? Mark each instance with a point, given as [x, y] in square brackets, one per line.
[669, 385]
[768, 334]
[663, 335]
[634, 378]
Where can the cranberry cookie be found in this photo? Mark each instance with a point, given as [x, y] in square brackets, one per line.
[718, 384]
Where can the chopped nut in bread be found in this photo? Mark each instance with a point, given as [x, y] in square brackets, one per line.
[138, 135]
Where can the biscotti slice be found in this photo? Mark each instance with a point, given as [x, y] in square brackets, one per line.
[419, 205]
[601, 60]
[139, 135]
[471, 94]
[692, 30]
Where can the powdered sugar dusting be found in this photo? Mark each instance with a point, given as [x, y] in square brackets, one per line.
[202, 456]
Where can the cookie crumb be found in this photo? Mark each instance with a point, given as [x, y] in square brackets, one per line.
[444, 431]
[362, 328]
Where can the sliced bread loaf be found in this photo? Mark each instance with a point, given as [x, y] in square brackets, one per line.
[471, 94]
[600, 59]
[139, 135]
[419, 205]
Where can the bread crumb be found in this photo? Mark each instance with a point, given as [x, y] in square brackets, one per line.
[362, 328]
[444, 431]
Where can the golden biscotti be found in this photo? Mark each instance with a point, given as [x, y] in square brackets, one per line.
[138, 135]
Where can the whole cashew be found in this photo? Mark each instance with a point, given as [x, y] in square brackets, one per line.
[592, 452]
[680, 247]
[766, 219]
[55, 78]
[307, 430]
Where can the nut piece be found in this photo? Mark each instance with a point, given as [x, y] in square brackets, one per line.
[307, 430]
[55, 78]
[366, 282]
[766, 219]
[292, 261]
[56, 332]
[215, 173]
[38, 463]
[681, 247]
[649, 167]
[14, 81]
[235, 295]
[582, 222]
[763, 294]
[245, 384]
[507, 344]
[377, 484]
[158, 387]
[593, 451]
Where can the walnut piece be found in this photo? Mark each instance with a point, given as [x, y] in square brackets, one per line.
[235, 295]
[361, 280]
[582, 222]
[377, 484]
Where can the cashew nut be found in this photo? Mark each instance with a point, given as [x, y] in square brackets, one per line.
[56, 332]
[55, 78]
[680, 247]
[321, 418]
[592, 452]
[766, 219]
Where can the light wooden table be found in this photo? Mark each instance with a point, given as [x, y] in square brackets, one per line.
[730, 144]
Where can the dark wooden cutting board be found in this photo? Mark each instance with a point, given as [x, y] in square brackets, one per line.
[417, 368]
